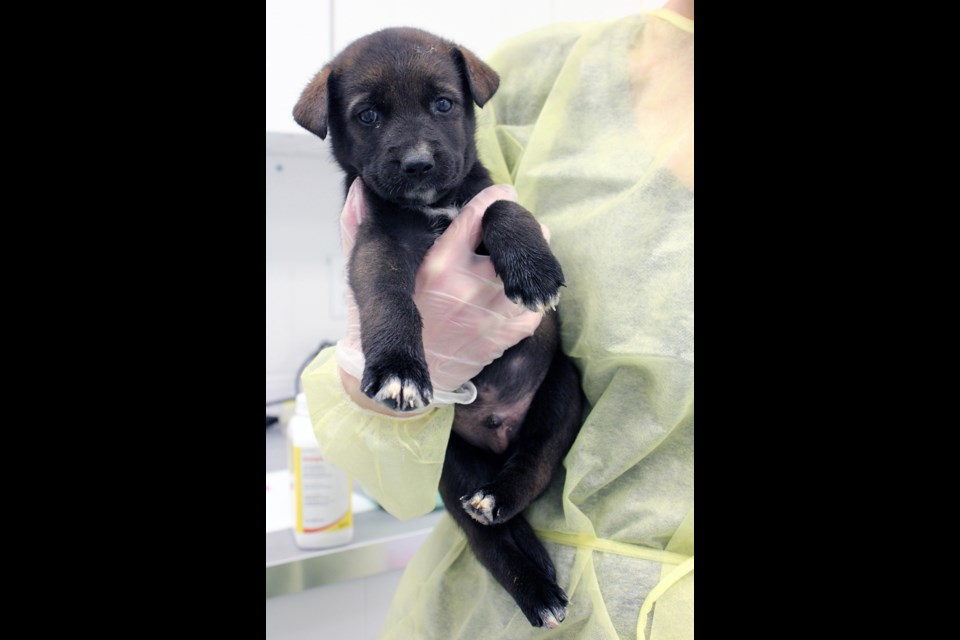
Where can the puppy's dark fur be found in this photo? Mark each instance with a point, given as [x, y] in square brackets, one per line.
[398, 105]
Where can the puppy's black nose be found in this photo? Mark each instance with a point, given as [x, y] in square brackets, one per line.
[416, 163]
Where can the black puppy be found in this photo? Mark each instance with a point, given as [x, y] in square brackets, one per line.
[398, 105]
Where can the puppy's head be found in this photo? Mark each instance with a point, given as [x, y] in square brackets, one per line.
[398, 105]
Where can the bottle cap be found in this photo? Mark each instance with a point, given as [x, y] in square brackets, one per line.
[302, 408]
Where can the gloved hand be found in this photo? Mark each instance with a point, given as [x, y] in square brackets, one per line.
[468, 322]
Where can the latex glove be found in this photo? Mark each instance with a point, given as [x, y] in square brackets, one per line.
[468, 322]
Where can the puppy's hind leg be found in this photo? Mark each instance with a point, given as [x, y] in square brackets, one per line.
[510, 552]
[530, 544]
[550, 427]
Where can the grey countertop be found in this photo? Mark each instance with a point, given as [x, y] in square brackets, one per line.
[380, 543]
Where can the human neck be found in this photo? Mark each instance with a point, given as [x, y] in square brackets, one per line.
[683, 7]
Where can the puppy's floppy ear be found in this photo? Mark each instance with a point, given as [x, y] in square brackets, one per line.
[312, 108]
[483, 80]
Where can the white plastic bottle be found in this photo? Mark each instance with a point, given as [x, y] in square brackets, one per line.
[322, 513]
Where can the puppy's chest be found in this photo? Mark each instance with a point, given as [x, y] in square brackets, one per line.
[441, 215]
[414, 226]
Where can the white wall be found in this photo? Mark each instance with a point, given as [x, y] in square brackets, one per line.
[304, 270]
[299, 37]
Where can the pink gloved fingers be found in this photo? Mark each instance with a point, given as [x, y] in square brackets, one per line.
[461, 239]
[351, 215]
[545, 230]
[471, 277]
[467, 320]
[468, 229]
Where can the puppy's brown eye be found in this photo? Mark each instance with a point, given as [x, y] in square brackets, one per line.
[443, 105]
[368, 116]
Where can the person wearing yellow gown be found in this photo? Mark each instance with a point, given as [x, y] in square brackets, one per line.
[593, 126]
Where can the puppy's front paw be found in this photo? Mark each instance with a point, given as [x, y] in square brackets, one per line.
[521, 256]
[399, 387]
[531, 277]
[482, 507]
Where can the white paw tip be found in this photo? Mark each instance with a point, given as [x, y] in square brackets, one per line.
[412, 399]
[479, 519]
[390, 389]
[553, 616]
[543, 307]
[480, 507]
[549, 305]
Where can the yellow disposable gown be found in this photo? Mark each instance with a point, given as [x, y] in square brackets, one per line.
[593, 125]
